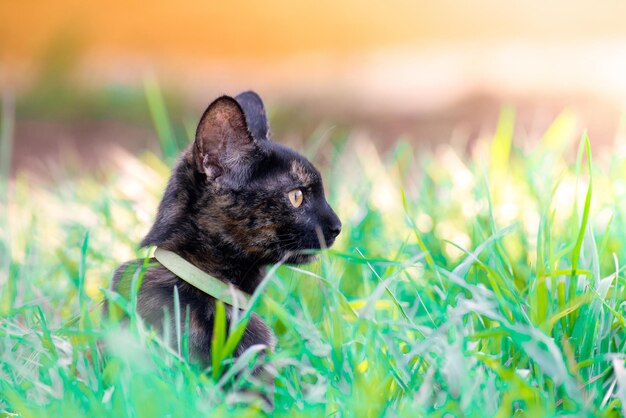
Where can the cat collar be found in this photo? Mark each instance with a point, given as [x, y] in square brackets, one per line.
[186, 271]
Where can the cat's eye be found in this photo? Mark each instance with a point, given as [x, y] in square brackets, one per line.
[296, 197]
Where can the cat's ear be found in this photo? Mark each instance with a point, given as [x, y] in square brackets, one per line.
[223, 142]
[256, 117]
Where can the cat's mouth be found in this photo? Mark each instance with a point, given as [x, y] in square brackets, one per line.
[307, 251]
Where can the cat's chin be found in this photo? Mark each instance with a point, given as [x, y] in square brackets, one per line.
[301, 258]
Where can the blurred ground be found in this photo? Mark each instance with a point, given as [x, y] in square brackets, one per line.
[430, 73]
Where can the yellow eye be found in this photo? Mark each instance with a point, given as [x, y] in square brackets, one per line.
[296, 197]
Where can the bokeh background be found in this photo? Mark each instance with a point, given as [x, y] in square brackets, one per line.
[74, 72]
[481, 275]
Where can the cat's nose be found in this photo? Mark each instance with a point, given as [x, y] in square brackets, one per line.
[332, 225]
[335, 228]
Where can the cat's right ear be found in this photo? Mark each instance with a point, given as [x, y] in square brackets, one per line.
[223, 143]
[256, 116]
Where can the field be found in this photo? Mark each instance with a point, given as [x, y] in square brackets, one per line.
[487, 283]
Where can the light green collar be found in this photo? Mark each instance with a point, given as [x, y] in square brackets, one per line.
[186, 271]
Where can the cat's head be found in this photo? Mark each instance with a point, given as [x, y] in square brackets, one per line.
[240, 190]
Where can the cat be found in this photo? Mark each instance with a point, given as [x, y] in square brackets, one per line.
[235, 203]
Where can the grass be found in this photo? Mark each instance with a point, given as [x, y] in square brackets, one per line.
[488, 284]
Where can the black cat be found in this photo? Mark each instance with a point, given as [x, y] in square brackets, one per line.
[235, 203]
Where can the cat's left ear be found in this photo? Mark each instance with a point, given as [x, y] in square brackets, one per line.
[256, 116]
[224, 144]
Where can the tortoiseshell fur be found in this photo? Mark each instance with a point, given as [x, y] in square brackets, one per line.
[226, 210]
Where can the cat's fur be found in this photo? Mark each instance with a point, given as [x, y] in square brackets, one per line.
[226, 210]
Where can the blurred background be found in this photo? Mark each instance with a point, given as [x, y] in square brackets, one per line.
[75, 73]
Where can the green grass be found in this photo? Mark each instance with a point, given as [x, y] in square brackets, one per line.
[481, 285]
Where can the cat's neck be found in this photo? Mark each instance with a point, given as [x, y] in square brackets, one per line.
[176, 229]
